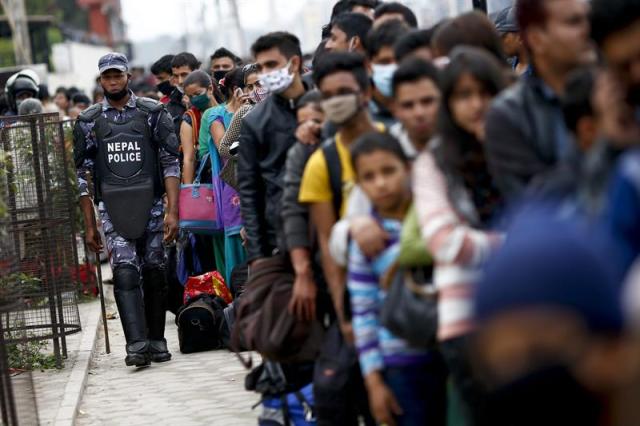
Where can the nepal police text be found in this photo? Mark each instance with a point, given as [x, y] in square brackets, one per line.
[124, 152]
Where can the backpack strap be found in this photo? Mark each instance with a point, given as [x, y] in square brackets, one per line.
[309, 414]
[286, 413]
[334, 167]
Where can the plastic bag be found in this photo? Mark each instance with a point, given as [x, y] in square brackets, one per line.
[210, 283]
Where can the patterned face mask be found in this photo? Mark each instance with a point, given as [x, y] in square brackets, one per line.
[277, 81]
[258, 95]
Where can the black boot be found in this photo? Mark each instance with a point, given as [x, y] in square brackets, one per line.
[155, 301]
[128, 294]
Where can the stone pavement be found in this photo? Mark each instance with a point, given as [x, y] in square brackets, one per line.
[205, 388]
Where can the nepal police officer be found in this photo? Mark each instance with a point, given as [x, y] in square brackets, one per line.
[20, 86]
[128, 145]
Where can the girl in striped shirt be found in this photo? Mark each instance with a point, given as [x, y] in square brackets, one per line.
[406, 386]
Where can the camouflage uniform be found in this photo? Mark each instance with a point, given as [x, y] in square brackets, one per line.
[141, 302]
[125, 251]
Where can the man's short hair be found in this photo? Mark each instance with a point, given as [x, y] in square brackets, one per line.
[411, 41]
[393, 8]
[342, 6]
[226, 53]
[386, 34]
[162, 65]
[353, 24]
[366, 3]
[185, 58]
[611, 16]
[199, 77]
[412, 70]
[576, 103]
[312, 97]
[530, 13]
[345, 6]
[334, 62]
[81, 98]
[286, 43]
[469, 29]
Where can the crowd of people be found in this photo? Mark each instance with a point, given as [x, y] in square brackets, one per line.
[456, 206]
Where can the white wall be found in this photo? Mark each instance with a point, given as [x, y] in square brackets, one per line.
[75, 64]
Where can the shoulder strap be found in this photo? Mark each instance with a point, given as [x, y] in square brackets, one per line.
[195, 127]
[90, 113]
[203, 163]
[149, 105]
[334, 167]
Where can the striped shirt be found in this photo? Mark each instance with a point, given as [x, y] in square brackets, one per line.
[376, 346]
[456, 247]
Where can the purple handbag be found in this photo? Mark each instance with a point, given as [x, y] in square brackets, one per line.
[230, 208]
[198, 206]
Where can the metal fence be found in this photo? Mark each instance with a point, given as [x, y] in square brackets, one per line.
[17, 391]
[38, 193]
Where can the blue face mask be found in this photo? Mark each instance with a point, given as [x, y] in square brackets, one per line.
[382, 77]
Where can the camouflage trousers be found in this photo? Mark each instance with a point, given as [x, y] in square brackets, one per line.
[145, 252]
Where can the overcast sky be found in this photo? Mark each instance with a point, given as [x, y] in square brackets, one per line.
[149, 19]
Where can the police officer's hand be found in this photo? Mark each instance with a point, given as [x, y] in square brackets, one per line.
[93, 239]
[170, 227]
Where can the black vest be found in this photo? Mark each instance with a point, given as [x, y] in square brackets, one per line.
[127, 172]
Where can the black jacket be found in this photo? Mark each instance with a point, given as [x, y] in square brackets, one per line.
[267, 133]
[176, 109]
[295, 215]
[522, 137]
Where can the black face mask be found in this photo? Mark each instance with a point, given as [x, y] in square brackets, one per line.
[219, 75]
[117, 95]
[165, 88]
[548, 395]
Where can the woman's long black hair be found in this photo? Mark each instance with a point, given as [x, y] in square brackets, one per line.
[460, 155]
[202, 79]
[233, 80]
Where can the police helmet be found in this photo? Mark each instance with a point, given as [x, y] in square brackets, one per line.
[20, 82]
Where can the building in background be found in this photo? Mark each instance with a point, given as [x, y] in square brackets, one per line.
[67, 37]
[104, 21]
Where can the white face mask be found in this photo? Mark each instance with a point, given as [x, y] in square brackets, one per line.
[277, 81]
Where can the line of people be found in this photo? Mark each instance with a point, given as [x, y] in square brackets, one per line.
[455, 205]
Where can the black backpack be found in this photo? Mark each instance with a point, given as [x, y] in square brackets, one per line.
[334, 169]
[201, 325]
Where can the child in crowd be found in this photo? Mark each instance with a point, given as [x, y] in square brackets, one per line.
[403, 385]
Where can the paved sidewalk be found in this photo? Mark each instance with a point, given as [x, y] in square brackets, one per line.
[205, 388]
[56, 389]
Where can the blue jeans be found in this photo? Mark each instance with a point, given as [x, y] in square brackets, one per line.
[421, 391]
